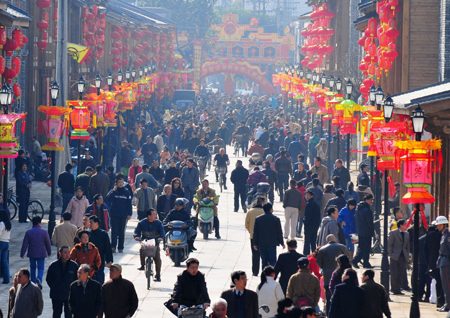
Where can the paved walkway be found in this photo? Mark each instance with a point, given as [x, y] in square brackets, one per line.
[218, 258]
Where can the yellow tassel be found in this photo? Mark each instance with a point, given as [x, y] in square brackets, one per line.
[94, 121]
[122, 121]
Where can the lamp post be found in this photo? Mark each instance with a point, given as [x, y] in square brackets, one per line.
[54, 94]
[348, 90]
[141, 72]
[379, 95]
[127, 75]
[133, 73]
[109, 81]
[119, 77]
[5, 93]
[81, 84]
[339, 85]
[388, 108]
[98, 84]
[418, 121]
[323, 79]
[309, 76]
[372, 92]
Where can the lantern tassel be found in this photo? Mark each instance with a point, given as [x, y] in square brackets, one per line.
[40, 126]
[67, 127]
[391, 186]
[23, 126]
[94, 121]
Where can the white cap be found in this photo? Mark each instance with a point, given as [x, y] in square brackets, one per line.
[441, 220]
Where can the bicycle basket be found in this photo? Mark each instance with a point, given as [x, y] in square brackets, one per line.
[193, 313]
[148, 249]
[238, 138]
[221, 170]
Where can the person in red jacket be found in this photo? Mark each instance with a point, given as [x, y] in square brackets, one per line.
[133, 171]
[86, 253]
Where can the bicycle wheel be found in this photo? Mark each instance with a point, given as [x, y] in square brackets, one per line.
[35, 207]
[13, 208]
[149, 271]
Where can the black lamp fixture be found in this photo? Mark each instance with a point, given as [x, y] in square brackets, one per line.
[339, 85]
[133, 73]
[282, 69]
[314, 77]
[286, 69]
[109, 81]
[98, 83]
[298, 73]
[141, 71]
[349, 88]
[127, 75]
[331, 82]
[154, 66]
[418, 120]
[323, 79]
[10, 95]
[81, 84]
[120, 77]
[4, 92]
[388, 108]
[54, 92]
[372, 95]
[379, 96]
[309, 75]
[292, 70]
[145, 69]
[302, 72]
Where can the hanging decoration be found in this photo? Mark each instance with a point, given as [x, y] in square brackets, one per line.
[43, 23]
[54, 126]
[80, 119]
[8, 142]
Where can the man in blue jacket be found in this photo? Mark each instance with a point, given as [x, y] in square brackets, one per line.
[150, 228]
[190, 181]
[119, 199]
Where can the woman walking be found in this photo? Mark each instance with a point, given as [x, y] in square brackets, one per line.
[269, 292]
[5, 233]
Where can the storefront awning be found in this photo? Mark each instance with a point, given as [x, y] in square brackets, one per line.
[12, 16]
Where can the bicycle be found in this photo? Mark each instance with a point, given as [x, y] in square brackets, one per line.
[221, 172]
[35, 206]
[149, 251]
[201, 164]
[237, 144]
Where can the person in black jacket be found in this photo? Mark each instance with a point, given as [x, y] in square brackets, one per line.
[341, 172]
[85, 298]
[287, 264]
[338, 201]
[66, 181]
[179, 213]
[311, 222]
[100, 239]
[166, 202]
[239, 178]
[267, 235]
[190, 288]
[365, 228]
[60, 275]
[272, 177]
[111, 176]
[88, 161]
[431, 250]
[348, 299]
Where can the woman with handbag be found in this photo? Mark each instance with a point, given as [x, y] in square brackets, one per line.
[269, 292]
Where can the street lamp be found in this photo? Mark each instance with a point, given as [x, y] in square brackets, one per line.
[98, 83]
[81, 84]
[54, 92]
[314, 77]
[4, 92]
[349, 88]
[388, 108]
[281, 68]
[133, 73]
[302, 72]
[379, 94]
[372, 95]
[331, 82]
[298, 73]
[339, 85]
[146, 70]
[418, 121]
[109, 81]
[141, 72]
[119, 77]
[309, 75]
[323, 80]
[127, 75]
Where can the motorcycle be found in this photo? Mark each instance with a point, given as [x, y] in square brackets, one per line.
[260, 190]
[177, 242]
[255, 161]
[206, 215]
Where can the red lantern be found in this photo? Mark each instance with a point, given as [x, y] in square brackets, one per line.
[80, 119]
[17, 90]
[392, 31]
[17, 35]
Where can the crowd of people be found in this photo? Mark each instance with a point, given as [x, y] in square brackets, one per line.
[323, 207]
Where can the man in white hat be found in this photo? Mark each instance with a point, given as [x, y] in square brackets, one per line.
[443, 262]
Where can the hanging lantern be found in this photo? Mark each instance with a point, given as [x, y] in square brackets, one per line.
[80, 119]
[54, 126]
[386, 136]
[8, 143]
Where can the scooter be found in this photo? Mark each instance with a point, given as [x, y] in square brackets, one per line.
[177, 242]
[261, 190]
[206, 215]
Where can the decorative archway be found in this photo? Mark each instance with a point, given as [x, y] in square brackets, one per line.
[245, 69]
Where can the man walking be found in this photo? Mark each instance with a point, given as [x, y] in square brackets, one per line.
[398, 248]
[118, 295]
[365, 228]
[320, 169]
[100, 239]
[239, 177]
[250, 218]
[85, 298]
[190, 181]
[330, 225]
[121, 211]
[286, 264]
[303, 285]
[60, 275]
[145, 174]
[147, 199]
[311, 222]
[443, 262]
[66, 182]
[29, 302]
[99, 182]
[341, 172]
[37, 242]
[272, 178]
[64, 233]
[292, 203]
[375, 297]
[166, 202]
[23, 188]
[283, 166]
[267, 235]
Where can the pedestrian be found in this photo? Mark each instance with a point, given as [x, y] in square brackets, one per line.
[190, 181]
[283, 166]
[350, 193]
[99, 183]
[341, 172]
[147, 199]
[303, 287]
[86, 252]
[119, 296]
[177, 188]
[5, 235]
[239, 177]
[66, 182]
[267, 235]
[126, 159]
[311, 222]
[88, 161]
[83, 180]
[37, 241]
[157, 172]
[300, 173]
[375, 297]
[36, 150]
[28, 302]
[23, 187]
[165, 202]
[365, 229]
[326, 259]
[250, 218]
[398, 248]
[219, 308]
[363, 178]
[100, 239]
[172, 172]
[269, 292]
[64, 233]
[221, 161]
[320, 169]
[121, 211]
[292, 204]
[133, 171]
[343, 262]
[318, 192]
[12, 295]
[60, 275]
[101, 210]
[77, 207]
[443, 262]
[431, 250]
[145, 174]
[149, 150]
[242, 302]
[338, 201]
[190, 288]
[85, 298]
[348, 300]
[86, 226]
[111, 176]
[286, 264]
[330, 225]
[322, 151]
[301, 214]
[347, 219]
